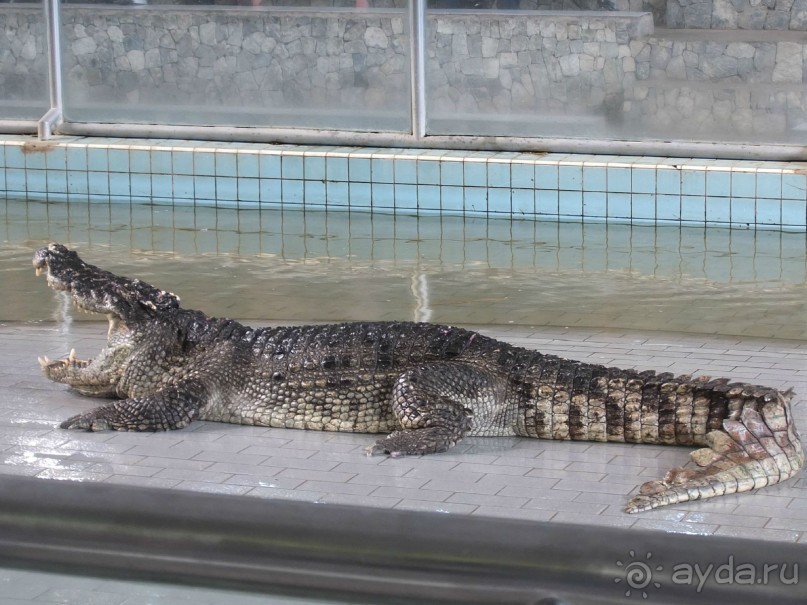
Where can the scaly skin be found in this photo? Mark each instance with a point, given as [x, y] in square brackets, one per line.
[426, 385]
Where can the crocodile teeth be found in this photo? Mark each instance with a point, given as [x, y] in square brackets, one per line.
[72, 356]
[38, 271]
[43, 361]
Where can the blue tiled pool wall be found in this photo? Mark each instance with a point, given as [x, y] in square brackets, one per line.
[559, 187]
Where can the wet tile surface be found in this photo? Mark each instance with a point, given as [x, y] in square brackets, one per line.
[584, 483]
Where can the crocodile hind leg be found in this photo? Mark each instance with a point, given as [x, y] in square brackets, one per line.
[438, 404]
[165, 410]
[760, 448]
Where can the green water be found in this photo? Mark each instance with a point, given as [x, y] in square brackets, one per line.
[312, 266]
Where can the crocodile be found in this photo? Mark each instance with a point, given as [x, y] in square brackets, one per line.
[425, 386]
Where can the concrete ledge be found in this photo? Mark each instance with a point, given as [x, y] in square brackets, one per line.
[630, 23]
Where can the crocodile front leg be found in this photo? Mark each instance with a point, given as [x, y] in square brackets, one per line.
[438, 404]
[168, 409]
[760, 448]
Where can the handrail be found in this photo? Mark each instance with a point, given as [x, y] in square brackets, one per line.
[366, 554]
[309, 136]
[18, 126]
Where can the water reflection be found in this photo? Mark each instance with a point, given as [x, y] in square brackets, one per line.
[306, 266]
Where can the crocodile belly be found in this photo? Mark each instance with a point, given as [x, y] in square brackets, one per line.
[360, 408]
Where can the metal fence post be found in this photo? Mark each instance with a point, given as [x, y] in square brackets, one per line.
[51, 120]
[417, 60]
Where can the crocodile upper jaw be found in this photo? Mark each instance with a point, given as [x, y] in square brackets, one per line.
[98, 291]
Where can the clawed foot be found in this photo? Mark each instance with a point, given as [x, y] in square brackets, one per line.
[87, 421]
[380, 448]
[414, 442]
[392, 446]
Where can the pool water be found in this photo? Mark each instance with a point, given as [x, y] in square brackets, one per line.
[275, 264]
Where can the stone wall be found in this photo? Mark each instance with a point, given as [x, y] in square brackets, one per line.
[743, 89]
[236, 59]
[642, 85]
[489, 65]
[737, 14]
[560, 62]
[23, 54]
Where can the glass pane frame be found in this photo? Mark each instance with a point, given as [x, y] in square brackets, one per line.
[261, 67]
[610, 76]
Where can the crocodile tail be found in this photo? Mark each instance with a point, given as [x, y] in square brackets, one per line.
[586, 402]
[760, 447]
[645, 407]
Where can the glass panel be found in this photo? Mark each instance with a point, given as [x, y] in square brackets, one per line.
[613, 75]
[207, 64]
[23, 62]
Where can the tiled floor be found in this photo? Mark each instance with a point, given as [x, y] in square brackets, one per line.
[580, 483]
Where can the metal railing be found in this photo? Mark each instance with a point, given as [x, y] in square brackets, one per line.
[374, 555]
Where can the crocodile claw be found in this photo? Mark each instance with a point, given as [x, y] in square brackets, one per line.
[87, 422]
[381, 448]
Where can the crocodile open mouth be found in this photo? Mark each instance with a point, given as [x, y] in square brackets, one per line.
[66, 273]
[122, 300]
